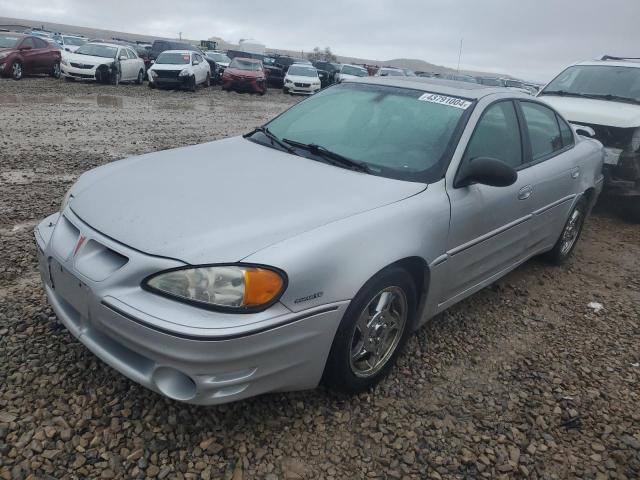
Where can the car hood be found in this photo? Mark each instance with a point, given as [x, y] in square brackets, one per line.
[167, 66]
[86, 59]
[243, 73]
[593, 111]
[222, 201]
[302, 79]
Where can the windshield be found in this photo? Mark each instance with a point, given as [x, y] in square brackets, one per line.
[388, 72]
[356, 71]
[514, 84]
[491, 82]
[302, 71]
[219, 57]
[7, 41]
[97, 50]
[623, 82]
[244, 65]
[166, 58]
[399, 133]
[74, 41]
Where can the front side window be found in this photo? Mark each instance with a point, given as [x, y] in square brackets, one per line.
[39, 43]
[497, 135]
[28, 42]
[395, 131]
[167, 58]
[543, 128]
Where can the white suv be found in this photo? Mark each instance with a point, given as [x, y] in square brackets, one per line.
[604, 95]
[179, 68]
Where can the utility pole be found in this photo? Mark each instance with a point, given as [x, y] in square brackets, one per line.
[460, 55]
[180, 35]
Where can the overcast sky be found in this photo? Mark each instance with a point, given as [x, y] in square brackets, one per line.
[531, 39]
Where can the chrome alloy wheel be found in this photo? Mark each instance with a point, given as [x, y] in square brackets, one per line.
[378, 331]
[571, 231]
[16, 70]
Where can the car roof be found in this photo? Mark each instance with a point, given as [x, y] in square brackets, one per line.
[612, 63]
[107, 44]
[472, 91]
[251, 60]
[182, 52]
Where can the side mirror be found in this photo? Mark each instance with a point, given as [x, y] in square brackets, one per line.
[584, 130]
[486, 171]
[152, 62]
[123, 57]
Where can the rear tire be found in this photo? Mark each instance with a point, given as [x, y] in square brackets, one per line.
[207, 82]
[140, 78]
[370, 337]
[568, 240]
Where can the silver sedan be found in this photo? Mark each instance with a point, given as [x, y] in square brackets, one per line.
[311, 248]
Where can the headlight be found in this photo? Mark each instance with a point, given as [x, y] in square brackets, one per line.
[66, 199]
[64, 61]
[184, 73]
[153, 73]
[240, 288]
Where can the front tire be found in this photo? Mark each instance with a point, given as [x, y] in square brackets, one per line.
[17, 70]
[565, 245]
[140, 78]
[372, 332]
[55, 72]
[207, 82]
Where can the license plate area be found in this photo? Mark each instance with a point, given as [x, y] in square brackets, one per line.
[69, 288]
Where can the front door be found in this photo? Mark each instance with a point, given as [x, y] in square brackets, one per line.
[489, 225]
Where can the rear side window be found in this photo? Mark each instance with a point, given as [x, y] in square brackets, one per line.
[566, 133]
[497, 135]
[543, 128]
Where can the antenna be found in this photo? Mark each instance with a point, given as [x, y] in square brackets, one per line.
[460, 55]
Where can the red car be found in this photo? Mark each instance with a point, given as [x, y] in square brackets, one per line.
[26, 54]
[245, 74]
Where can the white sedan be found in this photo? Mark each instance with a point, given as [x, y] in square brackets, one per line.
[103, 62]
[179, 68]
[301, 79]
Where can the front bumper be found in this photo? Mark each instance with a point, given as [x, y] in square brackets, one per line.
[246, 85]
[77, 73]
[173, 82]
[302, 90]
[183, 352]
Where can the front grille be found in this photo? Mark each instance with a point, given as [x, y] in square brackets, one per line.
[612, 137]
[167, 73]
[302, 85]
[83, 66]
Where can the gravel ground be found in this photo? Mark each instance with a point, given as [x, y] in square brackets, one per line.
[523, 380]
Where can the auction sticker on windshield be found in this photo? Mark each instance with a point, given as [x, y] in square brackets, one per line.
[445, 100]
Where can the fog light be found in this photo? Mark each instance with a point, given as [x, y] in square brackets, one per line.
[174, 384]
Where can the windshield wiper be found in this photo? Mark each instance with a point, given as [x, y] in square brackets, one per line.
[333, 157]
[274, 139]
[564, 93]
[618, 98]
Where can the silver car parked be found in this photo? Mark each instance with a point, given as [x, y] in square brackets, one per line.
[311, 248]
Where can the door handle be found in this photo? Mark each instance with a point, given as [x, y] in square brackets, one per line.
[525, 192]
[575, 172]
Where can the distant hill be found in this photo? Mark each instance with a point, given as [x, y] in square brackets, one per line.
[22, 24]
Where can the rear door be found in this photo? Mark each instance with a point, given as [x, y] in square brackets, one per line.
[43, 57]
[550, 158]
[489, 226]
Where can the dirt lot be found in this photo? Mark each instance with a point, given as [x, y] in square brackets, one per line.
[521, 380]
